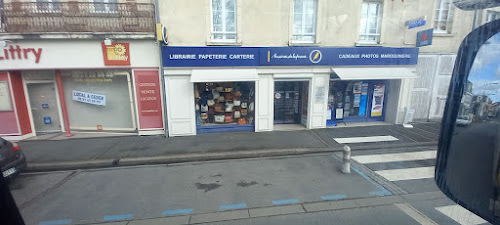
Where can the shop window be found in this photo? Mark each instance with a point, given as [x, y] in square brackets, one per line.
[371, 16]
[227, 103]
[356, 101]
[443, 17]
[224, 20]
[304, 21]
[99, 100]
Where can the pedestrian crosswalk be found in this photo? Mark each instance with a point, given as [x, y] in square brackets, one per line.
[409, 168]
[394, 162]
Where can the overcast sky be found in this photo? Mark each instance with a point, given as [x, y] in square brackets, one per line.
[485, 72]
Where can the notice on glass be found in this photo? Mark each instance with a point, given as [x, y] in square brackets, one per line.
[329, 113]
[356, 88]
[320, 94]
[89, 98]
[5, 103]
[378, 100]
[339, 113]
[357, 99]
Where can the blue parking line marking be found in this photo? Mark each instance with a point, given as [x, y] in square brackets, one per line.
[385, 191]
[285, 201]
[333, 197]
[233, 206]
[55, 222]
[380, 193]
[118, 217]
[177, 211]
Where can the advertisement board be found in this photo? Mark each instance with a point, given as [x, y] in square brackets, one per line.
[378, 100]
[147, 87]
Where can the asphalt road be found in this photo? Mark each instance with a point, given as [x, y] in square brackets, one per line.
[305, 189]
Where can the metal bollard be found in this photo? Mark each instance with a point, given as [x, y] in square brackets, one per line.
[346, 167]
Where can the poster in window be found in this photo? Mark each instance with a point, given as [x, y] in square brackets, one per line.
[378, 100]
[357, 99]
[356, 88]
[5, 101]
[339, 112]
[363, 100]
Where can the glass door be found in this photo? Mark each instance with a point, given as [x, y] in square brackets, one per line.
[287, 102]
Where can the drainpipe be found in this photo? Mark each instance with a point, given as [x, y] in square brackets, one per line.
[162, 76]
[63, 103]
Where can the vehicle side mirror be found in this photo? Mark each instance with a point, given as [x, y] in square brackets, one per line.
[468, 161]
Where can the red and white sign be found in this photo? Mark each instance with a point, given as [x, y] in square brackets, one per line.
[15, 52]
[147, 87]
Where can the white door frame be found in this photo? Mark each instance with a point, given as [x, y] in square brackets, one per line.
[28, 102]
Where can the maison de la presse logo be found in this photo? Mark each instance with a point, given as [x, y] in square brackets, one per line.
[315, 56]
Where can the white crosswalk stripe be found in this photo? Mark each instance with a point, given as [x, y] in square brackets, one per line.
[351, 140]
[460, 214]
[395, 157]
[407, 174]
[400, 174]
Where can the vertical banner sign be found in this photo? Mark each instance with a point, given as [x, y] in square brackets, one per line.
[147, 87]
[362, 101]
[378, 100]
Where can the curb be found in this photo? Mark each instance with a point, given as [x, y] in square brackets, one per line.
[197, 157]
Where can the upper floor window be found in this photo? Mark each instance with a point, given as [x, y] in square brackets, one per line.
[444, 16]
[46, 6]
[371, 17]
[492, 15]
[105, 6]
[224, 20]
[304, 21]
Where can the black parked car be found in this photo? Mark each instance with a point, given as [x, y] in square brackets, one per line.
[12, 160]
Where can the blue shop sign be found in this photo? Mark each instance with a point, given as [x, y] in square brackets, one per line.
[209, 56]
[286, 56]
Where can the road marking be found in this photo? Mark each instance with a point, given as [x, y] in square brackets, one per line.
[333, 197]
[415, 214]
[369, 179]
[55, 222]
[365, 139]
[285, 201]
[407, 174]
[119, 217]
[233, 206]
[380, 193]
[177, 211]
[460, 214]
[395, 157]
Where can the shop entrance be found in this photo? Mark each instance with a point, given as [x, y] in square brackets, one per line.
[44, 107]
[288, 101]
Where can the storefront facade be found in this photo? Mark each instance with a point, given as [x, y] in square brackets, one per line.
[80, 86]
[224, 89]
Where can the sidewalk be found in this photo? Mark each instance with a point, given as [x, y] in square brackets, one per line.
[138, 150]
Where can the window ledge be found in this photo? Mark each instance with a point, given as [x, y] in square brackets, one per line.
[303, 44]
[442, 35]
[367, 44]
[222, 43]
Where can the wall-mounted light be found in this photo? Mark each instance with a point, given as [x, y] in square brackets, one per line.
[108, 41]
